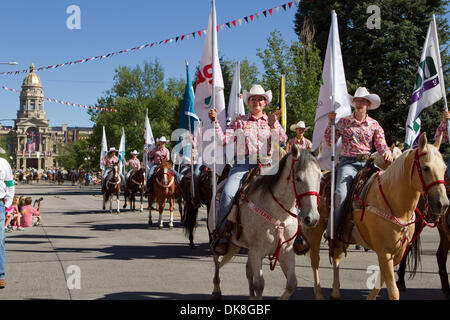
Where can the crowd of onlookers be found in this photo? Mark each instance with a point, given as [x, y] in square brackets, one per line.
[22, 214]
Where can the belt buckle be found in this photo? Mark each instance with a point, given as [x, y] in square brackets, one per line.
[362, 157]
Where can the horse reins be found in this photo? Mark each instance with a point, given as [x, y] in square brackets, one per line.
[171, 181]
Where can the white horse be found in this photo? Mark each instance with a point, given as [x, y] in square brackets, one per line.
[268, 216]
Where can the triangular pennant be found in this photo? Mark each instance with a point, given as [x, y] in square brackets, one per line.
[265, 13]
[228, 24]
[176, 39]
[234, 23]
[199, 33]
[284, 7]
[277, 9]
[290, 4]
[193, 34]
[270, 11]
[240, 21]
[246, 19]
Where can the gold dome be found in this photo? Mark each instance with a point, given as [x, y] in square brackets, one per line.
[32, 78]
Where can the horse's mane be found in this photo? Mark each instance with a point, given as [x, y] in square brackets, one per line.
[269, 180]
[397, 168]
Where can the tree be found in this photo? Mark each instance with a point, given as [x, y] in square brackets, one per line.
[385, 60]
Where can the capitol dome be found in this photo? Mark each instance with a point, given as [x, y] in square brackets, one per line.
[32, 79]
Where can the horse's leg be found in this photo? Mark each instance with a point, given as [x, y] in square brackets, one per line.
[249, 274]
[401, 274]
[441, 256]
[377, 287]
[338, 253]
[104, 202]
[255, 261]
[287, 263]
[216, 294]
[387, 273]
[110, 203]
[142, 203]
[171, 201]
[118, 199]
[314, 236]
[150, 201]
[161, 204]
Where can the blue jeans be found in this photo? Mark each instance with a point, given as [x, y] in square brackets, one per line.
[346, 172]
[232, 185]
[2, 240]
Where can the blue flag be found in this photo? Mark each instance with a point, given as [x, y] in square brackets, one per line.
[187, 122]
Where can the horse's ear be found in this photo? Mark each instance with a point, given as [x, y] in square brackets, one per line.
[438, 141]
[318, 152]
[401, 146]
[295, 151]
[393, 146]
[423, 141]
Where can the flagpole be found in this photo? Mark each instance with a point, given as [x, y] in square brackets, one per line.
[213, 103]
[441, 74]
[333, 133]
[190, 133]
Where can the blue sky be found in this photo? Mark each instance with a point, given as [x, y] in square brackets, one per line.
[36, 31]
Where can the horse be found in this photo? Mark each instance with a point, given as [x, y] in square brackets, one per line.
[81, 178]
[266, 221]
[190, 212]
[73, 177]
[378, 159]
[60, 177]
[162, 187]
[442, 251]
[135, 184]
[385, 220]
[112, 187]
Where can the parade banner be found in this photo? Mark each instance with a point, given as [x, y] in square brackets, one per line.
[236, 102]
[149, 142]
[427, 88]
[104, 150]
[122, 153]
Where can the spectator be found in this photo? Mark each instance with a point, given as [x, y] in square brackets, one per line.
[13, 215]
[30, 216]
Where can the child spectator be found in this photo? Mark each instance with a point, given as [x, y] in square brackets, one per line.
[13, 214]
[30, 216]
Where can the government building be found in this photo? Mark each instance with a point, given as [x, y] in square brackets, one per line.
[31, 142]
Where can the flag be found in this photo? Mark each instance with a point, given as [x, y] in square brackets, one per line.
[188, 120]
[149, 141]
[210, 65]
[331, 87]
[122, 152]
[236, 102]
[427, 88]
[282, 104]
[104, 151]
[66, 137]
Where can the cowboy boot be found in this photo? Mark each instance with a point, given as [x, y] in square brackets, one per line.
[221, 242]
[301, 245]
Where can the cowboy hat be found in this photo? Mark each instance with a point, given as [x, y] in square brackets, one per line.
[257, 90]
[112, 149]
[299, 125]
[162, 139]
[134, 152]
[362, 92]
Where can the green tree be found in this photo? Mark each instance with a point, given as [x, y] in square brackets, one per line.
[385, 60]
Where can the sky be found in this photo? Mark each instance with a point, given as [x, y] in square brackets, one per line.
[37, 31]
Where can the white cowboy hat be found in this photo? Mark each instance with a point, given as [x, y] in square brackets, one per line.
[299, 125]
[112, 149]
[162, 139]
[134, 152]
[2, 151]
[362, 92]
[257, 90]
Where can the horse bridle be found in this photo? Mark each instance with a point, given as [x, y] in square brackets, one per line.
[298, 196]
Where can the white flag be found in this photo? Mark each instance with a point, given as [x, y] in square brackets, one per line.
[203, 97]
[236, 102]
[104, 150]
[122, 152]
[427, 88]
[336, 87]
[149, 141]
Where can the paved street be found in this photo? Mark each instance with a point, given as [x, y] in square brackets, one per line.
[119, 257]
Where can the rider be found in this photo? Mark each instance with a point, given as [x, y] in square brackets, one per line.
[134, 164]
[156, 157]
[256, 128]
[109, 162]
[358, 132]
[442, 130]
[300, 246]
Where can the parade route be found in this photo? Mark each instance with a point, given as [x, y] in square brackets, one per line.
[83, 253]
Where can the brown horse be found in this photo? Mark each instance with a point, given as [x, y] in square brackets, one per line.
[112, 187]
[386, 223]
[135, 184]
[190, 212]
[82, 178]
[60, 177]
[162, 188]
[73, 177]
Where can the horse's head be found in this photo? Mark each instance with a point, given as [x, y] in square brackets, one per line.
[427, 175]
[164, 172]
[306, 176]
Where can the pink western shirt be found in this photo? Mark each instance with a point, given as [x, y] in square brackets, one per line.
[251, 135]
[109, 161]
[442, 129]
[134, 164]
[357, 136]
[304, 144]
[158, 154]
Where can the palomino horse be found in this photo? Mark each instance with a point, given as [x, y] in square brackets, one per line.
[266, 221]
[135, 184]
[190, 212]
[385, 222]
[162, 188]
[112, 187]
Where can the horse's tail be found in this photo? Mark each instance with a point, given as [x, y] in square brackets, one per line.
[190, 218]
[413, 261]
